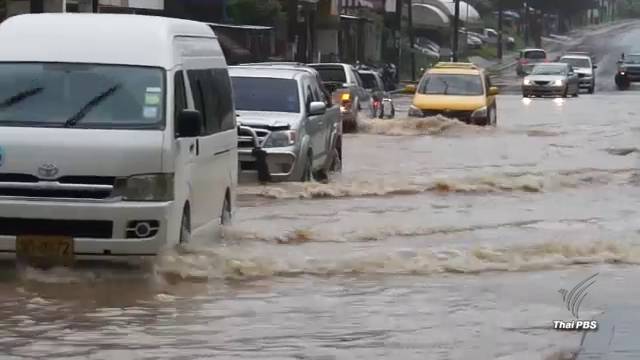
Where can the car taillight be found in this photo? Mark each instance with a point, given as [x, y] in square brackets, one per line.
[523, 61]
[346, 97]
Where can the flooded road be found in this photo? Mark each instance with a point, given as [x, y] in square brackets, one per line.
[438, 241]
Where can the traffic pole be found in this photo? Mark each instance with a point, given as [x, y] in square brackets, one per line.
[456, 19]
[412, 40]
[499, 47]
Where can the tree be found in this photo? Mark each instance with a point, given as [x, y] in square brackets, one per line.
[254, 12]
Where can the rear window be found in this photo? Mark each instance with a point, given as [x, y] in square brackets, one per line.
[536, 54]
[332, 73]
[265, 94]
[369, 81]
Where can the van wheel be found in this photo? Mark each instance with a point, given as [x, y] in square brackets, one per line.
[185, 226]
[225, 217]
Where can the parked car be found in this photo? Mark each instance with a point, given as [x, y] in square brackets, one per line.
[382, 102]
[555, 79]
[95, 164]
[585, 69]
[528, 58]
[461, 91]
[628, 71]
[287, 132]
[346, 87]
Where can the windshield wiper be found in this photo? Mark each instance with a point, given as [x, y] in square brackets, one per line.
[73, 120]
[20, 97]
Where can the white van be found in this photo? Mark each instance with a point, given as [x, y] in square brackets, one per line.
[117, 134]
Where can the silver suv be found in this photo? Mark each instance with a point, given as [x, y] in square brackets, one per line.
[287, 131]
[584, 67]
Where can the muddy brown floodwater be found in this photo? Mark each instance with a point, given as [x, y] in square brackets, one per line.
[438, 241]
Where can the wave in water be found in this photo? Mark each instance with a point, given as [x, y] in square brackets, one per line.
[245, 263]
[515, 182]
[433, 125]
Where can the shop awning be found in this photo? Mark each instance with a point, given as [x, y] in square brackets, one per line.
[429, 16]
[467, 12]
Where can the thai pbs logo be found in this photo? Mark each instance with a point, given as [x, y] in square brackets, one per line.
[573, 300]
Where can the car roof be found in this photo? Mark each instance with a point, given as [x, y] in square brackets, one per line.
[292, 66]
[119, 39]
[532, 49]
[576, 56]
[454, 71]
[265, 72]
[552, 64]
[367, 72]
[330, 64]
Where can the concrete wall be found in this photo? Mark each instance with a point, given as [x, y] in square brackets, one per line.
[327, 42]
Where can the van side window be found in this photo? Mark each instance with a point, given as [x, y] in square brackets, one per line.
[198, 94]
[223, 90]
[180, 96]
[206, 100]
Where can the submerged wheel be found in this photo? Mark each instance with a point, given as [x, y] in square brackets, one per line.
[185, 226]
[225, 217]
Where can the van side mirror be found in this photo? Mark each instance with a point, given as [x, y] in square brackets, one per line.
[189, 123]
[493, 91]
[595, 66]
[317, 108]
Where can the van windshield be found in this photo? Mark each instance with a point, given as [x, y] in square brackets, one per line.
[81, 95]
[265, 94]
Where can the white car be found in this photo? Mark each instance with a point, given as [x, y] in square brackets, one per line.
[584, 67]
[117, 133]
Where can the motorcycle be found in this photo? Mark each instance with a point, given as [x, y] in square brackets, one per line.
[383, 107]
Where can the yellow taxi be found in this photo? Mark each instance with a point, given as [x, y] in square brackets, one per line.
[456, 90]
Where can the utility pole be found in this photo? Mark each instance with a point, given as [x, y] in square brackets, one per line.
[398, 37]
[526, 24]
[456, 23]
[499, 47]
[411, 41]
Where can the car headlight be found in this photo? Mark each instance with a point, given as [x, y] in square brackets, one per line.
[147, 187]
[558, 83]
[281, 139]
[526, 82]
[414, 111]
[482, 112]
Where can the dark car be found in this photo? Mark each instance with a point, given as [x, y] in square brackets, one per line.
[382, 102]
[628, 71]
[345, 85]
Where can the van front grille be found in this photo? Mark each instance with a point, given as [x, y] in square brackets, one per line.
[66, 187]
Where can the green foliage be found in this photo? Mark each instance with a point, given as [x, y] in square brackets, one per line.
[254, 12]
[629, 8]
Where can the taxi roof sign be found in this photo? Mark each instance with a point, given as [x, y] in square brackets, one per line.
[455, 65]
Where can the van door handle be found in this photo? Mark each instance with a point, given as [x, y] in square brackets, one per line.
[197, 146]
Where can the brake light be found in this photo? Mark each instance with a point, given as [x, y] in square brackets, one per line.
[523, 61]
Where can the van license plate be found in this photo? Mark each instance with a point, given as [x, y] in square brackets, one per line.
[45, 250]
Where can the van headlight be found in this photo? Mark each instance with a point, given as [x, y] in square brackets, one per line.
[281, 139]
[526, 82]
[147, 187]
[480, 113]
[415, 112]
[558, 83]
